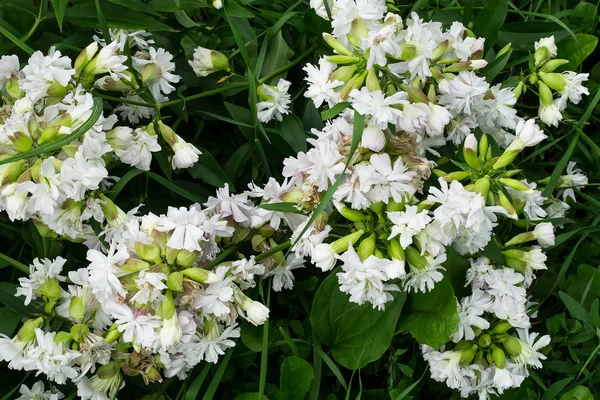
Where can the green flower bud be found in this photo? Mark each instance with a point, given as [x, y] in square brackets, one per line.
[545, 94]
[341, 245]
[366, 247]
[394, 206]
[438, 172]
[148, 72]
[27, 331]
[520, 238]
[372, 80]
[13, 88]
[51, 290]
[12, 171]
[187, 258]
[79, 332]
[149, 252]
[470, 152]
[21, 141]
[457, 176]
[415, 259]
[441, 49]
[133, 265]
[513, 347]
[167, 133]
[501, 327]
[507, 205]
[353, 41]
[482, 185]
[175, 281]
[114, 85]
[84, 58]
[343, 59]
[409, 51]
[499, 357]
[553, 80]
[76, 308]
[504, 50]
[200, 275]
[350, 214]
[359, 29]
[62, 337]
[541, 55]
[336, 45]
[415, 94]
[551, 65]
[519, 89]
[468, 355]
[167, 307]
[515, 184]
[343, 73]
[109, 370]
[395, 250]
[485, 340]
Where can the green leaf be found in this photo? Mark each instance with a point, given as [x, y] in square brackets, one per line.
[579, 393]
[278, 56]
[16, 40]
[556, 388]
[233, 9]
[209, 170]
[237, 160]
[356, 334]
[490, 19]
[116, 17]
[214, 384]
[292, 131]
[175, 188]
[194, 388]
[137, 5]
[282, 207]
[431, 317]
[575, 309]
[495, 67]
[8, 321]
[174, 5]
[59, 11]
[184, 20]
[334, 111]
[295, 378]
[250, 396]
[9, 299]
[523, 35]
[576, 51]
[102, 20]
[116, 189]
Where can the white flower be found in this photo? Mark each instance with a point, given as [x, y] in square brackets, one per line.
[424, 280]
[407, 224]
[230, 205]
[283, 278]
[373, 138]
[326, 164]
[217, 297]
[574, 179]
[55, 360]
[470, 310]
[104, 271]
[548, 43]
[41, 71]
[160, 83]
[368, 11]
[463, 92]
[320, 88]
[37, 392]
[544, 234]
[9, 66]
[216, 342]
[40, 272]
[530, 344]
[108, 61]
[381, 44]
[550, 114]
[255, 312]
[170, 333]
[185, 226]
[134, 113]
[79, 174]
[573, 89]
[277, 104]
[309, 240]
[377, 105]
[136, 326]
[323, 256]
[365, 280]
[185, 155]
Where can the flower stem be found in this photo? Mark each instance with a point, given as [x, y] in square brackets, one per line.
[126, 101]
[18, 265]
[273, 250]
[241, 84]
[264, 357]
[218, 260]
[35, 24]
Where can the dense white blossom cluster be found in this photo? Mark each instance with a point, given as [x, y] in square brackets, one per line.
[158, 294]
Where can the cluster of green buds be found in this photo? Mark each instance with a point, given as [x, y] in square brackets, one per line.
[487, 174]
[490, 347]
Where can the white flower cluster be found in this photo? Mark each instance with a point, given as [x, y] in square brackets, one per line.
[486, 359]
[60, 184]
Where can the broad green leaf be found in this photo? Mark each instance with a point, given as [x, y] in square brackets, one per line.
[175, 188]
[233, 9]
[116, 189]
[356, 334]
[209, 170]
[490, 19]
[237, 160]
[456, 272]
[174, 5]
[59, 11]
[334, 111]
[295, 378]
[194, 388]
[556, 388]
[292, 130]
[116, 17]
[250, 396]
[278, 55]
[184, 19]
[431, 317]
[576, 51]
[8, 321]
[42, 246]
[579, 393]
[9, 299]
[137, 5]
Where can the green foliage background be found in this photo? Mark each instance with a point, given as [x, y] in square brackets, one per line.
[308, 349]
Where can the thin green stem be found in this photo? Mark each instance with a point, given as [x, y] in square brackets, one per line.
[38, 19]
[241, 84]
[273, 250]
[264, 356]
[221, 257]
[18, 265]
[125, 101]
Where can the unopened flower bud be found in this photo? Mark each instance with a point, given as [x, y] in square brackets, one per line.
[112, 336]
[149, 252]
[76, 308]
[187, 258]
[457, 176]
[351, 214]
[468, 355]
[366, 247]
[27, 331]
[51, 290]
[114, 85]
[372, 80]
[504, 50]
[21, 141]
[499, 357]
[207, 61]
[516, 185]
[359, 29]
[342, 244]
[13, 88]
[201, 275]
[501, 327]
[481, 185]
[336, 45]
[442, 48]
[343, 73]
[507, 205]
[84, 58]
[485, 340]
[518, 90]
[553, 80]
[343, 59]
[353, 41]
[513, 346]
[546, 98]
[470, 152]
[175, 281]
[256, 313]
[167, 133]
[62, 337]
[395, 250]
[551, 65]
[415, 259]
